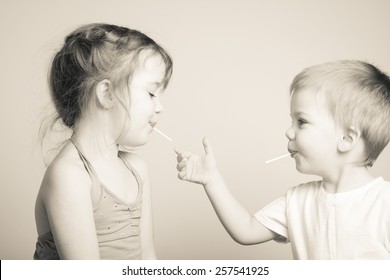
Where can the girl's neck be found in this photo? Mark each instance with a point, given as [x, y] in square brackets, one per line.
[96, 144]
[348, 178]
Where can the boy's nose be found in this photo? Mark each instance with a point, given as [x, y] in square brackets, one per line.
[290, 133]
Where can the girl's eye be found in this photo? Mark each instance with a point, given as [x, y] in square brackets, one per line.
[301, 122]
[152, 95]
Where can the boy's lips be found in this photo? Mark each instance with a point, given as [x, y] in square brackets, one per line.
[293, 154]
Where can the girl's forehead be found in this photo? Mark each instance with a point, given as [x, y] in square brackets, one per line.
[151, 71]
[153, 60]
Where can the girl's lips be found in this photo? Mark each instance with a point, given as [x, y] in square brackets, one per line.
[292, 152]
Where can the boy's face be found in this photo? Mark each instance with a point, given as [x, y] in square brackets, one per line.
[313, 135]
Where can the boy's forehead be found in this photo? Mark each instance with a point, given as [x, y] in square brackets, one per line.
[307, 100]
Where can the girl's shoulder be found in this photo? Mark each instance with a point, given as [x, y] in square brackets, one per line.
[66, 173]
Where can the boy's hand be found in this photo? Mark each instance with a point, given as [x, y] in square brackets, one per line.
[195, 168]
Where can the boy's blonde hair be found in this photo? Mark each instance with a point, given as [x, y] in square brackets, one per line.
[357, 94]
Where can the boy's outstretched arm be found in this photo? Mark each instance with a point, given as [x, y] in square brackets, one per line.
[202, 169]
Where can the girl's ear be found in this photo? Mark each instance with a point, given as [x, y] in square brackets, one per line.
[104, 95]
[349, 141]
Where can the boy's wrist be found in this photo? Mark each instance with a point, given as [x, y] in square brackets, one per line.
[214, 179]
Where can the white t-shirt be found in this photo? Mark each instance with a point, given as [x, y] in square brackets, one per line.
[348, 225]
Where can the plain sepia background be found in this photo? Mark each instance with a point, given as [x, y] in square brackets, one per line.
[233, 64]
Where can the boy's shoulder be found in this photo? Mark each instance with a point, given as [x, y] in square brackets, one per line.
[307, 186]
[383, 188]
[307, 189]
[385, 184]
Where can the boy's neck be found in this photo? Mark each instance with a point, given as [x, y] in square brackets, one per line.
[348, 178]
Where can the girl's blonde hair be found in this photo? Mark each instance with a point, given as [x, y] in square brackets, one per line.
[357, 94]
[90, 54]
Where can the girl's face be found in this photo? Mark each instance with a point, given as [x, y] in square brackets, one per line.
[144, 104]
[313, 136]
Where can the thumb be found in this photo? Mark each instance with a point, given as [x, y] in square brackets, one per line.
[177, 150]
[207, 147]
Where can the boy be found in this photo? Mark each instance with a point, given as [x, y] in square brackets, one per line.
[340, 124]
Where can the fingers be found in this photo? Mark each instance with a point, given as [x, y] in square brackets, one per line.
[186, 168]
[181, 165]
[183, 171]
[177, 150]
[182, 175]
[207, 146]
[182, 158]
[181, 155]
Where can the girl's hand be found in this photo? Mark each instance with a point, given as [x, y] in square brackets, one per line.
[199, 169]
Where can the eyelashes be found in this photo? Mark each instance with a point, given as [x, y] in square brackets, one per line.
[302, 122]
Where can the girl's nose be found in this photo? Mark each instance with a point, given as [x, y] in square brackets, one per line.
[290, 133]
[159, 107]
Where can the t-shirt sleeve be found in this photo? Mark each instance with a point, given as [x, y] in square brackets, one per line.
[273, 216]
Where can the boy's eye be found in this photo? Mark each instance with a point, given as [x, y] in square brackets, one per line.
[152, 95]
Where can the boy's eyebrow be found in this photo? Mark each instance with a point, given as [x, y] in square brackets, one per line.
[299, 113]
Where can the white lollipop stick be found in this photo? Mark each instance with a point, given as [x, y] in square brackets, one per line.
[279, 157]
[162, 134]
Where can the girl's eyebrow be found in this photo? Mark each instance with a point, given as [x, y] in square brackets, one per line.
[156, 84]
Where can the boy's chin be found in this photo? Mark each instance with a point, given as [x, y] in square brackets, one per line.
[302, 169]
[305, 171]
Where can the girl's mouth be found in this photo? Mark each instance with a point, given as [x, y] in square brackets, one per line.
[292, 153]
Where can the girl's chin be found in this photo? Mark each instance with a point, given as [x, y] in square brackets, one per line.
[135, 143]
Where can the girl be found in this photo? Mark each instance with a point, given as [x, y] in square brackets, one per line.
[94, 201]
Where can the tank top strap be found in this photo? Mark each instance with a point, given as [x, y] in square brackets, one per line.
[87, 165]
[133, 170]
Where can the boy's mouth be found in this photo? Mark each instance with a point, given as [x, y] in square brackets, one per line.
[293, 154]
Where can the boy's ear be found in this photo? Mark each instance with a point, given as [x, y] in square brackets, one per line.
[104, 95]
[349, 140]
